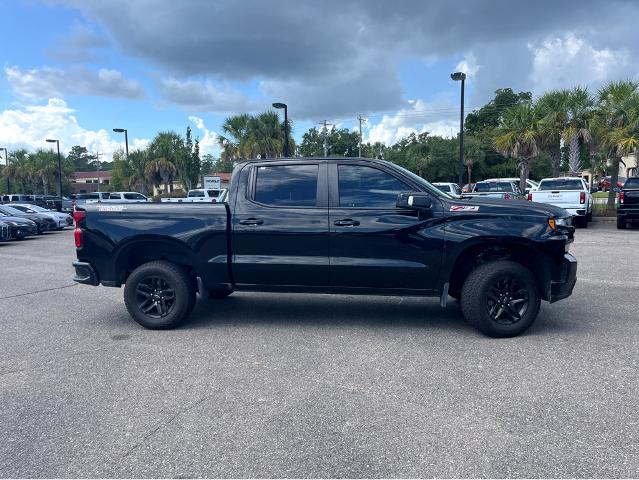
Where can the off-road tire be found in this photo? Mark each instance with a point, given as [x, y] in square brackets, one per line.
[171, 278]
[479, 285]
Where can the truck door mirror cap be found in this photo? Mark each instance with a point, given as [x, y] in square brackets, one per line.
[414, 200]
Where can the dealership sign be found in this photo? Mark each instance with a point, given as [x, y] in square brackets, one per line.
[212, 182]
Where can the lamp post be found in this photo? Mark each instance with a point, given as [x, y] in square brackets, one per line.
[461, 76]
[57, 142]
[126, 139]
[6, 162]
[285, 107]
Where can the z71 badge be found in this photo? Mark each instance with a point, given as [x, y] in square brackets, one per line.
[464, 208]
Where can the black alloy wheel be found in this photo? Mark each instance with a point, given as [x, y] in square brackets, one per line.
[507, 300]
[155, 296]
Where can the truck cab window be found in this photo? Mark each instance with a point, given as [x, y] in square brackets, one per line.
[367, 187]
[287, 185]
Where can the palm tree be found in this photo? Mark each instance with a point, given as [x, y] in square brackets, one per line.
[235, 130]
[517, 137]
[160, 171]
[137, 161]
[617, 125]
[579, 109]
[553, 111]
[472, 154]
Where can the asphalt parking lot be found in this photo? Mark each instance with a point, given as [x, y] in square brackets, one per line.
[316, 386]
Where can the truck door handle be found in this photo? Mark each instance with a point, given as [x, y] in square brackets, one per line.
[347, 222]
[252, 221]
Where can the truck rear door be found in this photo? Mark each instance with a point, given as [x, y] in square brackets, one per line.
[280, 225]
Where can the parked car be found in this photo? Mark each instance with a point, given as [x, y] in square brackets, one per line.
[604, 183]
[126, 197]
[342, 225]
[628, 208]
[43, 222]
[199, 195]
[82, 198]
[17, 197]
[467, 188]
[19, 227]
[450, 188]
[68, 203]
[506, 190]
[62, 219]
[531, 185]
[570, 193]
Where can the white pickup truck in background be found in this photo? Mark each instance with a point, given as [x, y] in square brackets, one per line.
[200, 195]
[569, 193]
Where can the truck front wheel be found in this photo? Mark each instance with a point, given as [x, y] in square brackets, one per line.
[159, 295]
[500, 299]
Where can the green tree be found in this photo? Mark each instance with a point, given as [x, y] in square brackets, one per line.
[339, 142]
[553, 110]
[617, 125]
[80, 158]
[579, 108]
[517, 137]
[187, 163]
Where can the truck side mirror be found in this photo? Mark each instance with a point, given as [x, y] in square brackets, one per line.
[413, 201]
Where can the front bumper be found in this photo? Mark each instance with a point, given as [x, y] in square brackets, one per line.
[562, 288]
[85, 273]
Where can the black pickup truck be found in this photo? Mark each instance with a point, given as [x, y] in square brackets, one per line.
[628, 208]
[352, 226]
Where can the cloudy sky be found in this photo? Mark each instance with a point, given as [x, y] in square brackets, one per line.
[75, 69]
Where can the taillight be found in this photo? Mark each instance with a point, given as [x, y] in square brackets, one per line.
[78, 216]
[530, 197]
[582, 197]
[78, 238]
[622, 197]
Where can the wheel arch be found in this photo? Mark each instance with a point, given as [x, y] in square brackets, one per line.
[478, 252]
[134, 253]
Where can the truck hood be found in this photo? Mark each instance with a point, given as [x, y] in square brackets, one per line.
[498, 206]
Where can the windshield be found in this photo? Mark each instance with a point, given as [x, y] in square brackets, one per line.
[632, 183]
[429, 187]
[561, 184]
[493, 187]
[11, 211]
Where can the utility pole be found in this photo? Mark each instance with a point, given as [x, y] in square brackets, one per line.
[6, 162]
[325, 123]
[361, 119]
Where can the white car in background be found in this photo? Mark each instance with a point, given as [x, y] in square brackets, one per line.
[531, 185]
[449, 188]
[569, 193]
[200, 195]
[120, 197]
[62, 219]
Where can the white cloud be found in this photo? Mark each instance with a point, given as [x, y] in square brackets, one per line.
[468, 65]
[563, 62]
[208, 142]
[421, 117]
[29, 126]
[204, 96]
[47, 82]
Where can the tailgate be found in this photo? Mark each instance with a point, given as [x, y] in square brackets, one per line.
[559, 198]
[631, 197]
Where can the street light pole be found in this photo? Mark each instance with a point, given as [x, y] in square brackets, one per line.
[457, 76]
[126, 139]
[50, 140]
[285, 107]
[6, 162]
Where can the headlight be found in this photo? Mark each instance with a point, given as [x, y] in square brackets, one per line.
[553, 222]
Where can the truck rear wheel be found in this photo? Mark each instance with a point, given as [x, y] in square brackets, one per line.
[159, 295]
[500, 299]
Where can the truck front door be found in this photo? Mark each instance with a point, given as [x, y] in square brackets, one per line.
[373, 244]
[280, 225]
